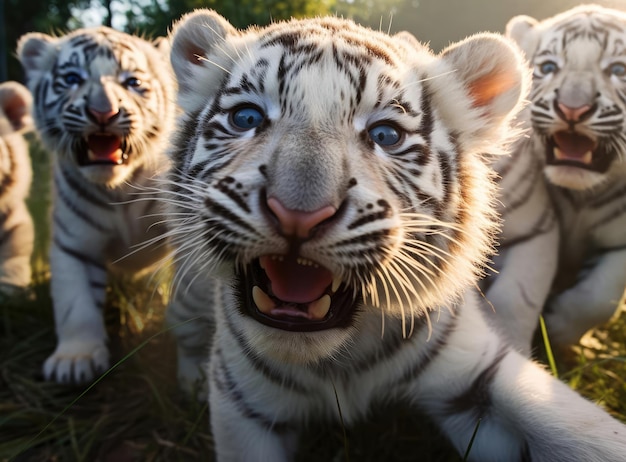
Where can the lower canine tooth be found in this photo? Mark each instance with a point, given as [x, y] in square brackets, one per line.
[263, 302]
[319, 308]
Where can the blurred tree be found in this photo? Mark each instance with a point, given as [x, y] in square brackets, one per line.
[437, 21]
[155, 17]
[21, 16]
[147, 17]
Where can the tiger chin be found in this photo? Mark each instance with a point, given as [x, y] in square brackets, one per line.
[331, 209]
[568, 245]
[16, 225]
[104, 107]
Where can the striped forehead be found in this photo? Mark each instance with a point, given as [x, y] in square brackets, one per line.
[101, 53]
[584, 39]
[322, 67]
[600, 28]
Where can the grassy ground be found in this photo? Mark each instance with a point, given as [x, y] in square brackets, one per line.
[135, 412]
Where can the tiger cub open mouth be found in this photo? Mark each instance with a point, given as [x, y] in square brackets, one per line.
[577, 150]
[293, 293]
[103, 149]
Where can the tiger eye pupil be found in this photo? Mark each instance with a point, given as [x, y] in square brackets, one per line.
[618, 69]
[384, 135]
[72, 79]
[247, 118]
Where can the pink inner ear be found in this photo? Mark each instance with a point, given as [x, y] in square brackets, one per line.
[195, 55]
[487, 87]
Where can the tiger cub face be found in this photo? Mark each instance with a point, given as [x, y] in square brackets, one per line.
[328, 170]
[103, 99]
[578, 97]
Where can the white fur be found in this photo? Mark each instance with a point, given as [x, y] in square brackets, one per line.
[529, 238]
[583, 291]
[104, 217]
[419, 334]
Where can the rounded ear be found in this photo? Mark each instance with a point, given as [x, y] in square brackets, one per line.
[487, 77]
[409, 39]
[409, 44]
[492, 70]
[521, 29]
[36, 52]
[15, 103]
[199, 42]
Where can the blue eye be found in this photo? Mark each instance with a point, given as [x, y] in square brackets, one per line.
[385, 135]
[548, 67]
[132, 82]
[247, 118]
[72, 78]
[618, 69]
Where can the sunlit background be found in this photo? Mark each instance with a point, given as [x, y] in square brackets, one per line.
[435, 21]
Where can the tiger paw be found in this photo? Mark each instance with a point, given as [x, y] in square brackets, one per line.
[77, 361]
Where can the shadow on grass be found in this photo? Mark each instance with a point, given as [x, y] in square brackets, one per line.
[134, 413]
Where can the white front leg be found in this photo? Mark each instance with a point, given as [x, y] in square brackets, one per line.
[78, 286]
[521, 288]
[190, 314]
[524, 412]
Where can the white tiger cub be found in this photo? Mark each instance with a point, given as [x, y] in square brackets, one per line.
[578, 140]
[16, 225]
[104, 105]
[331, 178]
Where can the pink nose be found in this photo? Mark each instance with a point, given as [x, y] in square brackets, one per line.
[572, 114]
[298, 223]
[102, 117]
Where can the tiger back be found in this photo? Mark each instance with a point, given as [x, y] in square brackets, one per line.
[331, 179]
[16, 225]
[578, 146]
[103, 106]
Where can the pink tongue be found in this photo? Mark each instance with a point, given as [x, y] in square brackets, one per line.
[295, 283]
[105, 148]
[573, 145]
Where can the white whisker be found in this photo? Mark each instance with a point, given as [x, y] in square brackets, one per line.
[202, 58]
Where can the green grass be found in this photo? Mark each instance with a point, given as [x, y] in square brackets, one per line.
[136, 413]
